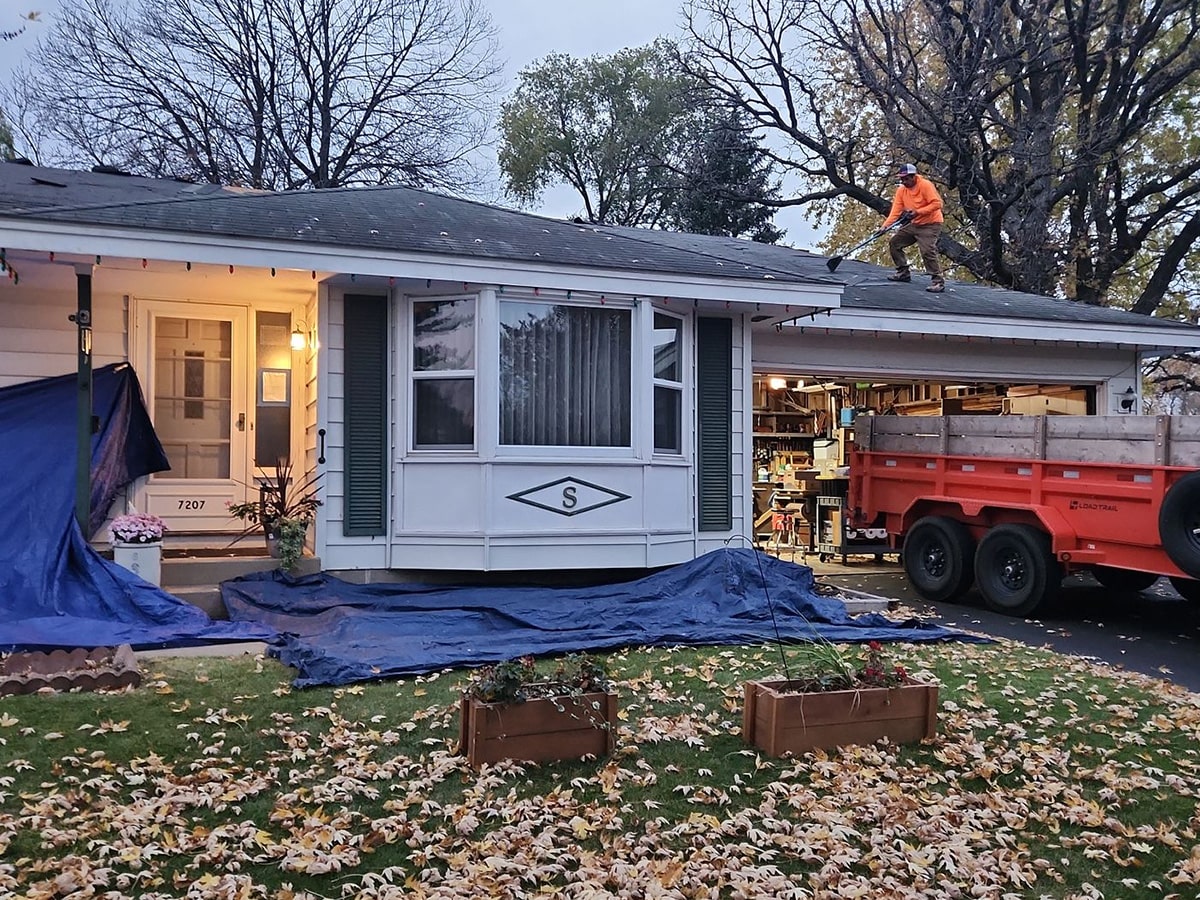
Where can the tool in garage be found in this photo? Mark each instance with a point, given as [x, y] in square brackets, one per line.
[834, 261]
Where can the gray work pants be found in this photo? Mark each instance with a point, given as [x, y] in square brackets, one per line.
[925, 237]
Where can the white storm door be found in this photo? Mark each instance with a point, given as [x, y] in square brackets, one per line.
[193, 368]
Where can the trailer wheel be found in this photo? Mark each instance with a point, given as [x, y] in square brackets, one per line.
[939, 558]
[1016, 570]
[1179, 524]
[1188, 589]
[1123, 581]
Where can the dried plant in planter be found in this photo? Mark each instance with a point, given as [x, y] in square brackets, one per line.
[510, 711]
[836, 698]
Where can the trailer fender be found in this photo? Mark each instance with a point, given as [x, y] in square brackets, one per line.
[1063, 538]
[1179, 523]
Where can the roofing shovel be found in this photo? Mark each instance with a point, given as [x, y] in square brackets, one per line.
[834, 261]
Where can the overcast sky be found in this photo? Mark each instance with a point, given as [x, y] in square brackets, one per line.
[528, 30]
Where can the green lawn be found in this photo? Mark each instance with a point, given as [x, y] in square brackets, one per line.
[216, 780]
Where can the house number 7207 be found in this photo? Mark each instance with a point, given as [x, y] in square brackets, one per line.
[191, 504]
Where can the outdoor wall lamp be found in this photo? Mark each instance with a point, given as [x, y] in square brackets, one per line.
[299, 339]
[1128, 399]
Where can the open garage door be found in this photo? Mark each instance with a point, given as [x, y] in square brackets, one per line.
[804, 421]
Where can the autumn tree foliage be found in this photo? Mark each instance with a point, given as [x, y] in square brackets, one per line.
[640, 143]
[1062, 134]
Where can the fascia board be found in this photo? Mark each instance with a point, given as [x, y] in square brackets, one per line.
[1149, 339]
[219, 250]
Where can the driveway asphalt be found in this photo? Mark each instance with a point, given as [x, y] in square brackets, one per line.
[1154, 632]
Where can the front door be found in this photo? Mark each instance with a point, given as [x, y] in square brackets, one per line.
[192, 361]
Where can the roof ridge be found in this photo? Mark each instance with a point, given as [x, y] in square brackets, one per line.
[722, 258]
[255, 193]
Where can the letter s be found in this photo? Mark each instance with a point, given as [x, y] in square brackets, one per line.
[569, 498]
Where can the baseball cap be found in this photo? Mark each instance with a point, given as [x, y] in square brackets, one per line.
[906, 169]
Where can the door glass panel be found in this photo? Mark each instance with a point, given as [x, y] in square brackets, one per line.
[193, 404]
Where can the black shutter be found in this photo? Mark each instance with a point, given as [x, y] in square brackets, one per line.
[714, 417]
[365, 398]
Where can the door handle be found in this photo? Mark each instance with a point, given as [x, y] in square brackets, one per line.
[241, 422]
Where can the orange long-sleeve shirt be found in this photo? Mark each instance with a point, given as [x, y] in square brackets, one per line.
[922, 198]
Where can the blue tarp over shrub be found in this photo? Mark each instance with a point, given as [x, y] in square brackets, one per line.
[55, 590]
[336, 632]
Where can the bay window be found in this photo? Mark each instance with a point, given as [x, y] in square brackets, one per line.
[565, 375]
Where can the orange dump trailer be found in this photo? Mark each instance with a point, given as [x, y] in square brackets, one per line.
[1014, 503]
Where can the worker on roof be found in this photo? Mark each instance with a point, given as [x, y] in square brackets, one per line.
[917, 206]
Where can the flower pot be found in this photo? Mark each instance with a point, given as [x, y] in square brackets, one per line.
[779, 719]
[144, 560]
[538, 730]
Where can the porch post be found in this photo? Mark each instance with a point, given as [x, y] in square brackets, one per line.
[84, 427]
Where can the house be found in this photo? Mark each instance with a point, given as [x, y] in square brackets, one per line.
[481, 389]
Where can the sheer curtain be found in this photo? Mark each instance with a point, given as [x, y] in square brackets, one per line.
[564, 375]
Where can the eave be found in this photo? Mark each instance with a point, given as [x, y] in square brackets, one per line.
[1149, 340]
[784, 299]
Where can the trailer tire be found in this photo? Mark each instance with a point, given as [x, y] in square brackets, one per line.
[1016, 570]
[939, 558]
[1123, 581]
[1179, 524]
[1186, 588]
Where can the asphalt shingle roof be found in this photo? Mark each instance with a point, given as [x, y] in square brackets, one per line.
[390, 219]
[399, 219]
[867, 287]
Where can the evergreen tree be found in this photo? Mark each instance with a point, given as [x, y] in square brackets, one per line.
[724, 181]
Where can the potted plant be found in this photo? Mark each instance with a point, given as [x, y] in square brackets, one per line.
[283, 511]
[136, 540]
[836, 699]
[509, 711]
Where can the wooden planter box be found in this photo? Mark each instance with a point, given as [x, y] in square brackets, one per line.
[779, 720]
[538, 730]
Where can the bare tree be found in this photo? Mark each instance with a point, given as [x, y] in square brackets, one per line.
[1059, 128]
[276, 94]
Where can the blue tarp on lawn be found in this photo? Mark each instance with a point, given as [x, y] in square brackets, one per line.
[55, 590]
[336, 633]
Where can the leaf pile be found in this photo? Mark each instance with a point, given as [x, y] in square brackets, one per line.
[1049, 777]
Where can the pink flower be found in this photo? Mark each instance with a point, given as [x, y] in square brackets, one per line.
[136, 528]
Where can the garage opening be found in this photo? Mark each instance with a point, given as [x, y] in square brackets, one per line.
[803, 423]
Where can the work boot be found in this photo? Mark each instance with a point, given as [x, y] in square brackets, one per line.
[901, 275]
[936, 286]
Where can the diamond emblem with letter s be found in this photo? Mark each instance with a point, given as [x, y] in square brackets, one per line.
[568, 496]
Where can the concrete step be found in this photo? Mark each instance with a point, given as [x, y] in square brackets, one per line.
[197, 579]
[205, 596]
[199, 571]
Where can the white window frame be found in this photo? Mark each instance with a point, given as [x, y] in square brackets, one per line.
[679, 386]
[567, 451]
[415, 375]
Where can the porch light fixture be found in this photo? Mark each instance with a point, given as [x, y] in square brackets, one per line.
[1128, 399]
[299, 340]
[776, 383]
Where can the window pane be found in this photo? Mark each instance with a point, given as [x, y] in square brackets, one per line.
[666, 347]
[193, 395]
[668, 409]
[564, 375]
[444, 335]
[444, 412]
